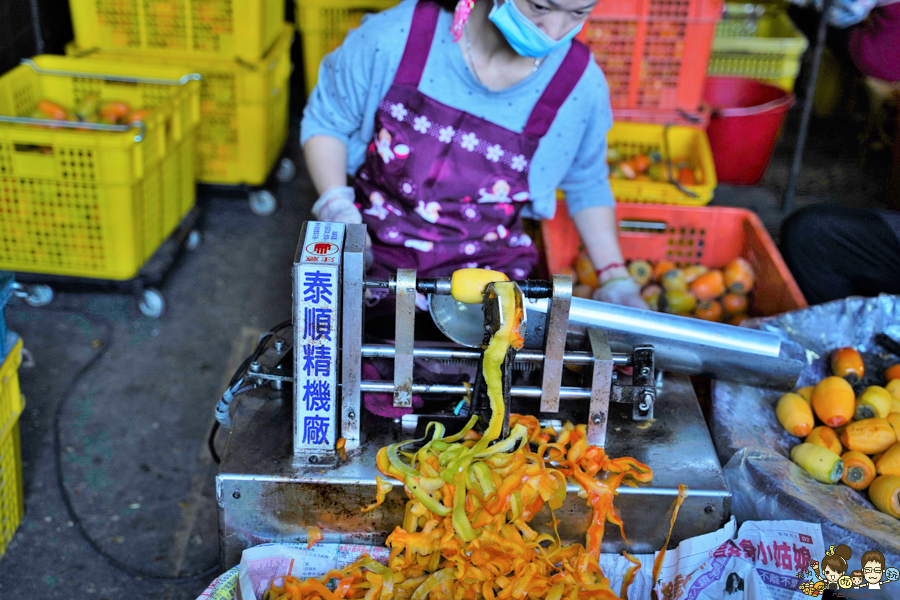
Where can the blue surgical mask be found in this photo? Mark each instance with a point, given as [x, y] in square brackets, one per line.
[525, 37]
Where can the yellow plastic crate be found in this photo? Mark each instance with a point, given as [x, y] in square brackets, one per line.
[180, 187]
[244, 29]
[12, 501]
[243, 110]
[176, 180]
[323, 25]
[88, 203]
[677, 144]
[11, 401]
[757, 42]
[12, 505]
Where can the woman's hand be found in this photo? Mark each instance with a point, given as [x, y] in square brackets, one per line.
[597, 227]
[338, 205]
[625, 292]
[326, 159]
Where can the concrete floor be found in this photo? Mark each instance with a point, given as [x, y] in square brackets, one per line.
[135, 396]
[134, 426]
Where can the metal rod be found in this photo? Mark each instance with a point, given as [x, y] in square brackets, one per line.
[531, 288]
[187, 77]
[572, 358]
[387, 387]
[640, 326]
[668, 156]
[36, 25]
[78, 125]
[260, 376]
[790, 191]
[435, 285]
[686, 346]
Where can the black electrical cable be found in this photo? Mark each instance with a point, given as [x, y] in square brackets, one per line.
[105, 343]
[282, 325]
[212, 443]
[260, 346]
[257, 352]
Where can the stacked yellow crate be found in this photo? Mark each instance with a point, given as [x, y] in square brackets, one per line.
[235, 29]
[241, 48]
[90, 200]
[758, 41]
[323, 24]
[12, 506]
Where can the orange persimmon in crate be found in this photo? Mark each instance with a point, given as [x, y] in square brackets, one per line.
[682, 243]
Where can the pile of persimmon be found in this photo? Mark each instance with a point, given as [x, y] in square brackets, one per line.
[652, 167]
[90, 109]
[849, 435]
[720, 295]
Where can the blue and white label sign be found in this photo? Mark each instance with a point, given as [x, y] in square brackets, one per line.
[317, 302]
[322, 243]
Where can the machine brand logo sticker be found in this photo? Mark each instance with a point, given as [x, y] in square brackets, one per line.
[322, 249]
[322, 243]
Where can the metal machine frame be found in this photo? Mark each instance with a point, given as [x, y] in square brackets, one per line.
[282, 470]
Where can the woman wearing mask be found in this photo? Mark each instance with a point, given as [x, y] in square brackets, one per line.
[455, 122]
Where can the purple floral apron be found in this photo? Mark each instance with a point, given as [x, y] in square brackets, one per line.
[442, 189]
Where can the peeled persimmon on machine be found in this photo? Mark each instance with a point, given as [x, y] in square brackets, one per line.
[302, 444]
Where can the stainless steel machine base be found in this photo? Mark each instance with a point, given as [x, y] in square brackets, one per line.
[263, 497]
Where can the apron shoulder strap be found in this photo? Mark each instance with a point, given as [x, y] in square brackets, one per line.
[418, 44]
[564, 80]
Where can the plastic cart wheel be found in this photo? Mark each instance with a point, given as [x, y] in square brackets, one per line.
[263, 203]
[193, 241]
[151, 303]
[36, 295]
[285, 170]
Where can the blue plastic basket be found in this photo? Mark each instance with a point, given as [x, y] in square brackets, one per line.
[6, 291]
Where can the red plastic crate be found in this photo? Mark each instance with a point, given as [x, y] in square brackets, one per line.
[709, 235]
[654, 53]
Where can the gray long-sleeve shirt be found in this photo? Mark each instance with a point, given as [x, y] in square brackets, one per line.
[355, 77]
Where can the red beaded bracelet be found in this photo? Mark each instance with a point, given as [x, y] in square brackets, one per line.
[608, 267]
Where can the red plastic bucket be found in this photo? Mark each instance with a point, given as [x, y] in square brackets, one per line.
[743, 129]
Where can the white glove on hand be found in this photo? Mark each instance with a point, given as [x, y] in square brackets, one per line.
[625, 292]
[338, 206]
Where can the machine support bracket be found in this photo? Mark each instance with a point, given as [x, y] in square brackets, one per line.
[601, 385]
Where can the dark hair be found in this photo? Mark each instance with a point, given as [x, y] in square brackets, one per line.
[448, 5]
[872, 556]
[856, 573]
[734, 583]
[838, 560]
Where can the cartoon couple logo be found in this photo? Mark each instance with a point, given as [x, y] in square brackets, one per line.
[832, 573]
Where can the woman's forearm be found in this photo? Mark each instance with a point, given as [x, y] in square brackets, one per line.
[597, 227]
[326, 159]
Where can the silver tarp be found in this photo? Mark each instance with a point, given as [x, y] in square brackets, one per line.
[755, 449]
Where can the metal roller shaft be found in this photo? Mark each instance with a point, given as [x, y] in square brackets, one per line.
[641, 325]
[681, 344]
[387, 387]
[573, 358]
